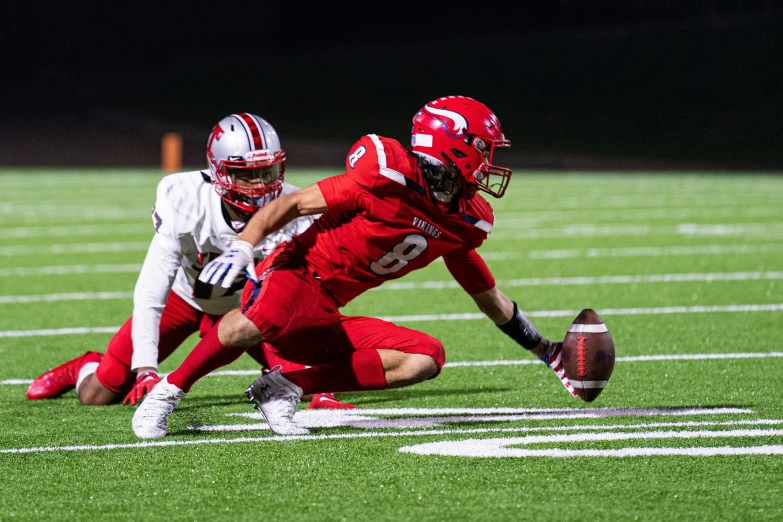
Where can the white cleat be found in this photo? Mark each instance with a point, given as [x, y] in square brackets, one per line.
[152, 415]
[277, 398]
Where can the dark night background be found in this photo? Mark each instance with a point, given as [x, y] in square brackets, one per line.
[606, 84]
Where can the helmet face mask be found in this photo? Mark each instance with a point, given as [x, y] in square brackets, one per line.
[466, 133]
[246, 161]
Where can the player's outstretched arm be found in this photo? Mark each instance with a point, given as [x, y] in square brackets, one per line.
[506, 314]
[508, 317]
[240, 256]
[474, 276]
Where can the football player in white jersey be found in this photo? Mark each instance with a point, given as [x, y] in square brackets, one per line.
[196, 217]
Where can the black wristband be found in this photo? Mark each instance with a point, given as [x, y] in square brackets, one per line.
[521, 330]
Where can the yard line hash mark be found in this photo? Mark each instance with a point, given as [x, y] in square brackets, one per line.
[286, 438]
[489, 256]
[523, 362]
[777, 307]
[439, 285]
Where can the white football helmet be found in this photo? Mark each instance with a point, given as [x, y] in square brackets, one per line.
[246, 161]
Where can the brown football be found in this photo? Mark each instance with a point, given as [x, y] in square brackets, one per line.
[588, 355]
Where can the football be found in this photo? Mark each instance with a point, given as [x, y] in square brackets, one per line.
[588, 355]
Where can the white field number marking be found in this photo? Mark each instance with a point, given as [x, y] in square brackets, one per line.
[503, 447]
[405, 418]
[451, 432]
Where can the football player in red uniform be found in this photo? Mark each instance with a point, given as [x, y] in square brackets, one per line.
[197, 215]
[394, 210]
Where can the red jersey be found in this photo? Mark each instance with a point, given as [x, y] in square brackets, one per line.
[381, 224]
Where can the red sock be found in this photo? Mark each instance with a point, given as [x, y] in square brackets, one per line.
[257, 353]
[363, 370]
[208, 355]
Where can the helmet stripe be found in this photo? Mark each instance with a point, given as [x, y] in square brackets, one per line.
[255, 131]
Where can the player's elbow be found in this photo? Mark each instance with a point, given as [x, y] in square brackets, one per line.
[308, 201]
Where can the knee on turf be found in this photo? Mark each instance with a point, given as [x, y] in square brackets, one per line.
[92, 392]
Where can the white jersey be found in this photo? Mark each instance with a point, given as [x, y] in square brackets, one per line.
[191, 230]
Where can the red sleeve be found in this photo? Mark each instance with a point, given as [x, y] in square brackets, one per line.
[470, 271]
[341, 193]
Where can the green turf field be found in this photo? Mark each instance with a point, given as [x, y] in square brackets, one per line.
[686, 271]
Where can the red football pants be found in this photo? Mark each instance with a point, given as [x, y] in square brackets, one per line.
[178, 322]
[300, 322]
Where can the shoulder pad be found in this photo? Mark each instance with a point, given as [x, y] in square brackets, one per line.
[478, 212]
[375, 155]
[181, 200]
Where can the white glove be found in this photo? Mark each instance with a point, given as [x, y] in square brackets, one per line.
[225, 268]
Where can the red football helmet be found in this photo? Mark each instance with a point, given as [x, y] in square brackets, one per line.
[465, 132]
[246, 161]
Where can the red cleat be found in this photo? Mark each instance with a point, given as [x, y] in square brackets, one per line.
[57, 381]
[327, 401]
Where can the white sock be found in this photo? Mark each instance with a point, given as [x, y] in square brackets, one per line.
[86, 369]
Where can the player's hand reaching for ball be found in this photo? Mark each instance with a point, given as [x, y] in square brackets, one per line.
[226, 268]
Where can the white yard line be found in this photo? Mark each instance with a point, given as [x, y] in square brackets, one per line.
[77, 230]
[77, 248]
[78, 213]
[75, 296]
[641, 201]
[451, 284]
[700, 250]
[653, 251]
[503, 220]
[78, 330]
[632, 358]
[777, 307]
[763, 230]
[600, 280]
[523, 362]
[70, 270]
[378, 434]
[523, 218]
[458, 317]
[489, 256]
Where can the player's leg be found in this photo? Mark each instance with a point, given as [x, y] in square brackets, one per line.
[63, 378]
[115, 371]
[283, 299]
[351, 354]
[150, 420]
[316, 401]
[368, 354]
[113, 377]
